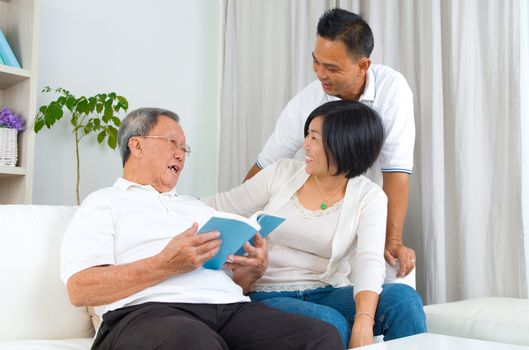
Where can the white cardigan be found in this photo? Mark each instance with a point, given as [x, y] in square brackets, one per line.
[359, 237]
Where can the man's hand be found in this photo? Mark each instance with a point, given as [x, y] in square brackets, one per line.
[248, 269]
[405, 255]
[187, 251]
[396, 188]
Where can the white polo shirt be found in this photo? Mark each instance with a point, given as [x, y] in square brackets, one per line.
[386, 91]
[129, 222]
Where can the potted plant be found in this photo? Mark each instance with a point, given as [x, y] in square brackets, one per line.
[10, 125]
[89, 115]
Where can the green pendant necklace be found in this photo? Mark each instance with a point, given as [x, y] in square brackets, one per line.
[324, 204]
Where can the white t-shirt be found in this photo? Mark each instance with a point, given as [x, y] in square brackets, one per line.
[129, 222]
[386, 91]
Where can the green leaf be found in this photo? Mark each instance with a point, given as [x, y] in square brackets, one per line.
[70, 103]
[101, 136]
[91, 104]
[124, 102]
[99, 108]
[49, 120]
[112, 95]
[112, 137]
[87, 129]
[116, 121]
[43, 109]
[107, 115]
[62, 91]
[74, 120]
[39, 123]
[82, 106]
[55, 110]
[112, 142]
[96, 122]
[53, 113]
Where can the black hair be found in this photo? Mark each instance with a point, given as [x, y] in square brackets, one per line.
[139, 123]
[352, 135]
[350, 29]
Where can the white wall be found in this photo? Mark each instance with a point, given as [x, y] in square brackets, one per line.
[160, 53]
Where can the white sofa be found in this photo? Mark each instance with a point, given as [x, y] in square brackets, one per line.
[504, 320]
[36, 312]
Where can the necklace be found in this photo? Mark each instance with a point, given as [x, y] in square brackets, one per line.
[324, 204]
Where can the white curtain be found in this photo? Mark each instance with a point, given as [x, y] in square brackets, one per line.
[524, 112]
[267, 46]
[461, 59]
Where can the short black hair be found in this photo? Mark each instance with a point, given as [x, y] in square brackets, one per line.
[350, 29]
[352, 135]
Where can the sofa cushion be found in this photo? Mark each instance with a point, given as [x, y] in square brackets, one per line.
[503, 320]
[34, 301]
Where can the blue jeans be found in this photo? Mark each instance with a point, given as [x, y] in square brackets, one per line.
[399, 310]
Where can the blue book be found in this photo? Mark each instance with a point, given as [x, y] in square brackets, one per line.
[235, 230]
[7, 54]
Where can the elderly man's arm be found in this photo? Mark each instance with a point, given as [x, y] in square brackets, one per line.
[105, 284]
[248, 269]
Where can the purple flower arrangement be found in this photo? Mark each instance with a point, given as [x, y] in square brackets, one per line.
[10, 120]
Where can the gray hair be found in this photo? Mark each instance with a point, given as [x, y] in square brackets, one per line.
[139, 122]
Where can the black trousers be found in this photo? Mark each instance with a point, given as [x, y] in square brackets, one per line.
[238, 326]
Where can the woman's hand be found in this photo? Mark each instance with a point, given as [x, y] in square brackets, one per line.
[366, 306]
[362, 333]
[248, 269]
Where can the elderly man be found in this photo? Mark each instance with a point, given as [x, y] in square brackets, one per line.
[131, 250]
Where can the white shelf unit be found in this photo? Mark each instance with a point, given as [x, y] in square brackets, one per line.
[19, 23]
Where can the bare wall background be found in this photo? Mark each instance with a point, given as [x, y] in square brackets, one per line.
[160, 54]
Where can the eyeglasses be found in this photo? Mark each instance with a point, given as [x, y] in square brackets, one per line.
[173, 143]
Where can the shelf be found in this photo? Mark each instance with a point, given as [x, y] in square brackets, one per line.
[19, 23]
[11, 171]
[10, 76]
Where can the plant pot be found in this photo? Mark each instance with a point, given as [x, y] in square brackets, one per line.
[8, 147]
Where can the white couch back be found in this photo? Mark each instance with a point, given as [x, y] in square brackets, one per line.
[34, 303]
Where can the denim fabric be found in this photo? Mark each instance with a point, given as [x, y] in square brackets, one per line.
[399, 311]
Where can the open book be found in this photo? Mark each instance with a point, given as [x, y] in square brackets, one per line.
[235, 230]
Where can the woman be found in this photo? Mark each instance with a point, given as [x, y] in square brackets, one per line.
[334, 233]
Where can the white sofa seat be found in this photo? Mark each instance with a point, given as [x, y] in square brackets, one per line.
[504, 320]
[36, 312]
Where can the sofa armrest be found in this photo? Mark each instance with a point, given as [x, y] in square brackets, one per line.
[34, 302]
[391, 276]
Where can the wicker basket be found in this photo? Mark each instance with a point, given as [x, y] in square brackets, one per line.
[8, 146]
